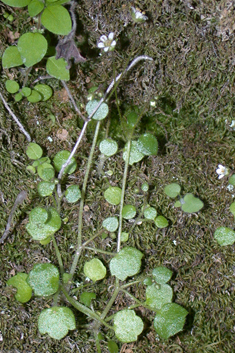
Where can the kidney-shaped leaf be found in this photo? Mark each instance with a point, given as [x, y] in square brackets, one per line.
[126, 263]
[56, 321]
[101, 113]
[128, 211]
[127, 325]
[45, 188]
[94, 270]
[44, 279]
[224, 236]
[157, 297]
[24, 291]
[11, 58]
[161, 274]
[73, 193]
[191, 204]
[169, 320]
[172, 190]
[108, 147]
[32, 48]
[57, 20]
[135, 154]
[113, 195]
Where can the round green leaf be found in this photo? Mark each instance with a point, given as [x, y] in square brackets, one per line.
[169, 320]
[150, 213]
[45, 188]
[57, 68]
[177, 204]
[56, 321]
[24, 291]
[161, 274]
[56, 19]
[11, 58]
[34, 151]
[231, 180]
[172, 190]
[128, 211]
[113, 195]
[126, 263]
[44, 279]
[60, 159]
[32, 48]
[135, 154]
[161, 222]
[232, 208]
[26, 91]
[127, 325]
[111, 224]
[34, 97]
[44, 90]
[40, 230]
[12, 86]
[18, 97]
[124, 237]
[38, 215]
[157, 297]
[191, 204]
[224, 236]
[113, 347]
[86, 298]
[101, 113]
[16, 3]
[35, 7]
[94, 270]
[147, 144]
[108, 147]
[145, 187]
[41, 161]
[73, 193]
[46, 171]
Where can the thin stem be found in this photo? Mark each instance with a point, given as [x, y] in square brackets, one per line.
[132, 297]
[58, 255]
[92, 238]
[79, 237]
[111, 301]
[123, 194]
[84, 309]
[129, 284]
[22, 129]
[27, 75]
[73, 101]
[97, 342]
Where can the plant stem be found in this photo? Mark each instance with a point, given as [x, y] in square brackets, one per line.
[132, 296]
[112, 300]
[129, 284]
[58, 255]
[85, 310]
[79, 237]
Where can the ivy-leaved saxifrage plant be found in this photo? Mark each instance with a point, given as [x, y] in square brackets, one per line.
[48, 280]
[32, 47]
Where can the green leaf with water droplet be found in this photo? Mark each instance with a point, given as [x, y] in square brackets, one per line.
[44, 90]
[157, 296]
[224, 236]
[161, 274]
[135, 154]
[127, 325]
[150, 213]
[44, 279]
[46, 171]
[126, 263]
[73, 193]
[111, 224]
[128, 212]
[108, 147]
[113, 195]
[45, 188]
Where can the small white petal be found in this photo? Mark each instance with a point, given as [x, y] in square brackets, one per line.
[221, 176]
[113, 43]
[106, 49]
[103, 38]
[138, 14]
[100, 45]
[111, 36]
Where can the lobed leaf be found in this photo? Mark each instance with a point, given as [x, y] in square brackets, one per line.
[44, 279]
[126, 263]
[24, 291]
[157, 297]
[127, 325]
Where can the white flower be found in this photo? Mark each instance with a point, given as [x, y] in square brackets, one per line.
[137, 15]
[232, 125]
[222, 171]
[108, 44]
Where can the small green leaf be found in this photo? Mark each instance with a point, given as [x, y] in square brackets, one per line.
[101, 113]
[44, 279]
[148, 281]
[232, 208]
[26, 91]
[157, 297]
[24, 291]
[56, 321]
[35, 7]
[147, 144]
[56, 19]
[31, 169]
[32, 48]
[73, 193]
[12, 86]
[57, 68]
[224, 236]
[169, 320]
[41, 161]
[161, 274]
[112, 347]
[126, 263]
[18, 97]
[66, 277]
[127, 325]
[128, 211]
[161, 222]
[86, 298]
[46, 171]
[191, 204]
[94, 270]
[38, 215]
[113, 195]
[172, 190]
[150, 213]
[111, 224]
[11, 58]
[145, 187]
[108, 147]
[34, 97]
[231, 180]
[45, 188]
[135, 154]
[124, 237]
[60, 159]
[177, 204]
[44, 90]
[16, 3]
[45, 241]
